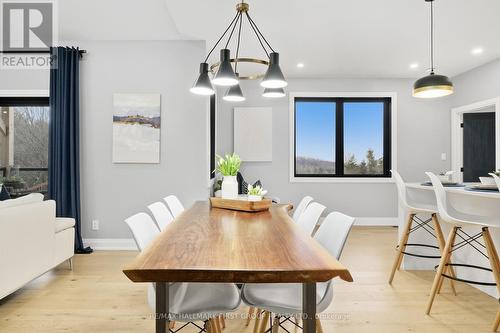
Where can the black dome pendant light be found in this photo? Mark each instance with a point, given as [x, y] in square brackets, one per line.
[432, 85]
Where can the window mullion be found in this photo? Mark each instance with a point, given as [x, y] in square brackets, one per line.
[339, 137]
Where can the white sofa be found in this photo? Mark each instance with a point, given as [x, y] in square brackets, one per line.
[32, 240]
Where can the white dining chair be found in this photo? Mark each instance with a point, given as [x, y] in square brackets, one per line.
[174, 204]
[458, 220]
[301, 207]
[497, 180]
[413, 223]
[308, 220]
[161, 214]
[284, 300]
[189, 302]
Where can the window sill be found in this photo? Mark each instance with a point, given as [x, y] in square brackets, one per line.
[358, 180]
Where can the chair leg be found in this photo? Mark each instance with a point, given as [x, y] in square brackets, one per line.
[497, 321]
[216, 323]
[258, 318]
[319, 328]
[208, 327]
[250, 315]
[70, 262]
[222, 319]
[276, 324]
[442, 265]
[171, 325]
[402, 247]
[441, 244]
[265, 319]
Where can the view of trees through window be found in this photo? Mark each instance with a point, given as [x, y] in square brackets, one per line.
[359, 141]
[27, 145]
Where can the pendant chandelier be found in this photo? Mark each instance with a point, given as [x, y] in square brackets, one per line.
[224, 75]
[432, 85]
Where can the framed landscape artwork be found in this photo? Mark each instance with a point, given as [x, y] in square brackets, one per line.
[136, 128]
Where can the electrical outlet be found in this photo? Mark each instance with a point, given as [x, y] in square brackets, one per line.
[443, 156]
[95, 224]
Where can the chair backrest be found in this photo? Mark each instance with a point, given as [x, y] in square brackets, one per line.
[309, 218]
[161, 214]
[440, 193]
[143, 229]
[301, 207]
[333, 233]
[497, 179]
[175, 206]
[401, 186]
[332, 236]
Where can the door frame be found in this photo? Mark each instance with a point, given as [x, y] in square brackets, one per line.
[457, 132]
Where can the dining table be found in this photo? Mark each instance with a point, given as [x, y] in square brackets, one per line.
[214, 245]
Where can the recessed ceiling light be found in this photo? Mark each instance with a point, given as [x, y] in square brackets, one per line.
[477, 51]
[300, 65]
[414, 65]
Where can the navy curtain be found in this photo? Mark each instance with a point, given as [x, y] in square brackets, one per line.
[64, 135]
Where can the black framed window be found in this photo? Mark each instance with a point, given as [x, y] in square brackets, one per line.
[24, 144]
[342, 137]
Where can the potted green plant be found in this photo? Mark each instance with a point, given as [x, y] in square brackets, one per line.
[229, 166]
[255, 193]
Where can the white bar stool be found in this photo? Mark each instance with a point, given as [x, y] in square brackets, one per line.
[459, 220]
[414, 208]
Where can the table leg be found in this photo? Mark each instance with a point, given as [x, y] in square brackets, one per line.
[309, 307]
[162, 298]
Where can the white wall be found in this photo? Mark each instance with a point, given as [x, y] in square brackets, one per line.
[111, 192]
[423, 134]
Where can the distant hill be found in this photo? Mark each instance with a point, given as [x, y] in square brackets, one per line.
[307, 165]
[153, 121]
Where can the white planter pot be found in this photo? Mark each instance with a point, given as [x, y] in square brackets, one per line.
[229, 187]
[254, 197]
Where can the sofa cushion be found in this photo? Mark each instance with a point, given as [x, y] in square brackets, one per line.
[63, 223]
[24, 200]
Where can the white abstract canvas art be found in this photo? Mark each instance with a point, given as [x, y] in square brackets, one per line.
[136, 128]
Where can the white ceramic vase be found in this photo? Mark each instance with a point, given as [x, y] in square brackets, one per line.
[229, 187]
[254, 197]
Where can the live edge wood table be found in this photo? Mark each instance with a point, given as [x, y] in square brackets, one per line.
[215, 245]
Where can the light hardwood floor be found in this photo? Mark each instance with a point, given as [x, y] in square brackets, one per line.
[97, 297]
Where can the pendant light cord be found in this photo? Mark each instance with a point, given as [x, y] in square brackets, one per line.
[432, 37]
[238, 45]
[221, 37]
[260, 33]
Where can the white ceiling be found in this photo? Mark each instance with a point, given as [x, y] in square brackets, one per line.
[333, 38]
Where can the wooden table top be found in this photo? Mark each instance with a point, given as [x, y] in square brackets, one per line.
[208, 244]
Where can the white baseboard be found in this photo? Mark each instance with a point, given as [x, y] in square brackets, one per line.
[113, 244]
[377, 221]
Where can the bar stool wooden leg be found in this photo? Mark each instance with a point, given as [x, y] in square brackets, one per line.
[497, 321]
[441, 243]
[258, 318]
[208, 327]
[222, 319]
[265, 319]
[402, 247]
[216, 322]
[442, 265]
[319, 328]
[250, 315]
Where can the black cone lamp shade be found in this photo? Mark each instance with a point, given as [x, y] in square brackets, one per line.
[274, 92]
[234, 94]
[274, 77]
[202, 86]
[225, 74]
[432, 86]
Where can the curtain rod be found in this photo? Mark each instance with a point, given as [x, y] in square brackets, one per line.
[35, 51]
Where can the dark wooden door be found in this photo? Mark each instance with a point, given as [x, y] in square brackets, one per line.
[479, 145]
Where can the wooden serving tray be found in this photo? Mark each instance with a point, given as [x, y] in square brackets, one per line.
[241, 204]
